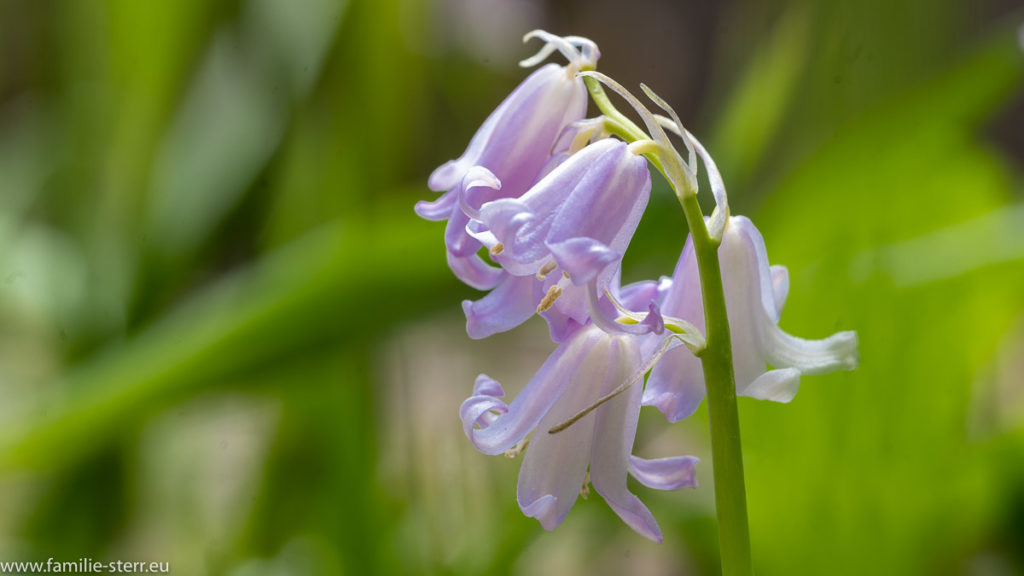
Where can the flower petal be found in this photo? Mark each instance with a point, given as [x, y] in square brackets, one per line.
[437, 210]
[529, 126]
[459, 243]
[555, 464]
[474, 271]
[665, 473]
[676, 383]
[480, 411]
[837, 352]
[775, 385]
[614, 432]
[512, 302]
[488, 386]
[569, 311]
[750, 296]
[516, 139]
[584, 256]
[483, 411]
[513, 224]
[780, 288]
[545, 509]
[522, 224]
[597, 221]
[447, 175]
[478, 186]
[639, 295]
[533, 403]
[744, 260]
[561, 326]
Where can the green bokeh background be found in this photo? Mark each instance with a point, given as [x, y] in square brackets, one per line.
[227, 343]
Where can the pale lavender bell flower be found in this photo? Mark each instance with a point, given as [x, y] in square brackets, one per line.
[587, 366]
[565, 236]
[513, 145]
[755, 293]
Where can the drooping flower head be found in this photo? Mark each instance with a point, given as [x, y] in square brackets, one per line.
[514, 145]
[589, 365]
[556, 200]
[755, 293]
[569, 230]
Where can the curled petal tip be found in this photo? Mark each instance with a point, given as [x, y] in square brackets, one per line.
[436, 211]
[654, 319]
[780, 385]
[671, 406]
[636, 516]
[480, 176]
[485, 385]
[837, 352]
[851, 359]
[545, 510]
[665, 473]
[474, 411]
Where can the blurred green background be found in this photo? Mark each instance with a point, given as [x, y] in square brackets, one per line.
[227, 343]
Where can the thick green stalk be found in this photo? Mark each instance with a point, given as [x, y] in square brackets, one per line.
[716, 358]
[726, 452]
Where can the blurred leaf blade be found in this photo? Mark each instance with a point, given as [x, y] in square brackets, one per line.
[241, 324]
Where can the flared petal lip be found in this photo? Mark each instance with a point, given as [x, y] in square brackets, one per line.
[521, 416]
[665, 473]
[512, 302]
[545, 510]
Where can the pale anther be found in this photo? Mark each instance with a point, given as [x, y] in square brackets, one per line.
[546, 269]
[549, 299]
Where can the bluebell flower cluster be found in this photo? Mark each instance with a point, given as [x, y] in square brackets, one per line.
[540, 209]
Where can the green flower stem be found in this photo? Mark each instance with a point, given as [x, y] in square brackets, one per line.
[726, 452]
[716, 358]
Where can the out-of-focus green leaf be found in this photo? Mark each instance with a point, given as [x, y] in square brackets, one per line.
[234, 116]
[878, 459]
[759, 102]
[341, 282]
